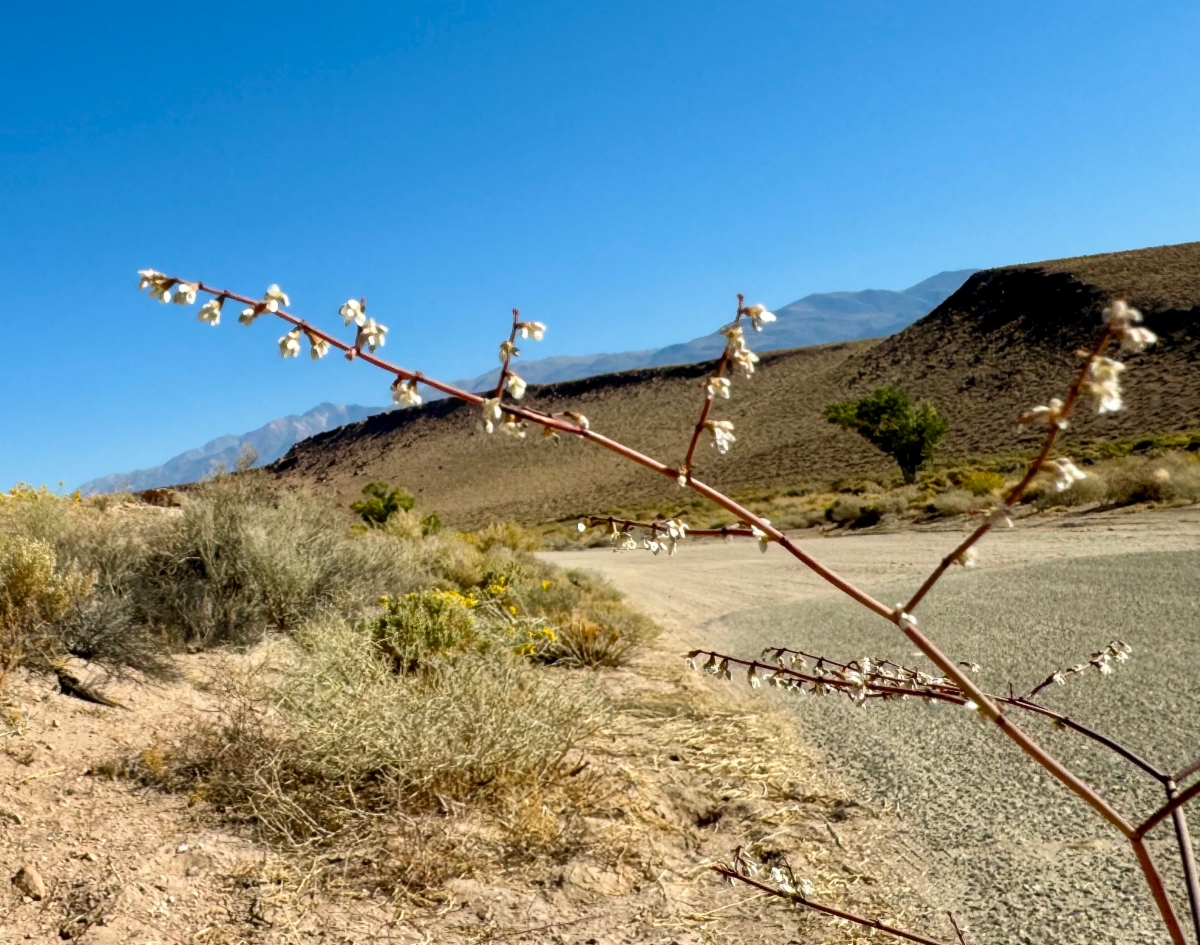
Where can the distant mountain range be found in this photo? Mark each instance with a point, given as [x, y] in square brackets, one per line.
[813, 320]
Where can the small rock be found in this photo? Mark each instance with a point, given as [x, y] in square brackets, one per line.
[29, 881]
[182, 848]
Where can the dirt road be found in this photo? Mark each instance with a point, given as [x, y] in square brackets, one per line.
[1015, 854]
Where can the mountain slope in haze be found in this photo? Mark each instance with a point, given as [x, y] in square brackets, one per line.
[1000, 344]
[270, 442]
[814, 319]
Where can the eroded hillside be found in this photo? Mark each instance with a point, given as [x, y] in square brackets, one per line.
[1004, 341]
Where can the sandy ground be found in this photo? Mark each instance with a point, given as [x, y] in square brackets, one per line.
[681, 775]
[1012, 852]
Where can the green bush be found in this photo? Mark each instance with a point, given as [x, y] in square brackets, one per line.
[382, 502]
[979, 482]
[886, 418]
[425, 624]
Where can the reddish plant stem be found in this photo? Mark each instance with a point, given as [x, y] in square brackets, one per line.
[1187, 772]
[1188, 858]
[1165, 811]
[653, 527]
[907, 627]
[820, 907]
[718, 371]
[957, 931]
[1055, 768]
[1014, 494]
[512, 338]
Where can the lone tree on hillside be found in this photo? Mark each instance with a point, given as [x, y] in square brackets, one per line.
[381, 502]
[907, 432]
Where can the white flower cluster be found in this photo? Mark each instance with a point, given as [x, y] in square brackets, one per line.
[1124, 321]
[495, 418]
[736, 351]
[157, 285]
[405, 393]
[758, 316]
[659, 536]
[1102, 662]
[722, 434]
[764, 540]
[370, 333]
[1045, 415]
[1065, 473]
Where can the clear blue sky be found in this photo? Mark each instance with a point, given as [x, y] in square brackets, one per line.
[618, 170]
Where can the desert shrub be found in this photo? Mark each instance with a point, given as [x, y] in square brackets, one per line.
[858, 512]
[331, 741]
[1045, 495]
[602, 633]
[508, 534]
[425, 624]
[1173, 477]
[980, 482]
[955, 502]
[34, 593]
[886, 418]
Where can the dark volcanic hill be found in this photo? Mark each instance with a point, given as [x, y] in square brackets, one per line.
[1001, 343]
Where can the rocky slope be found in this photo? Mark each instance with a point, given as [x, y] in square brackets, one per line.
[1001, 343]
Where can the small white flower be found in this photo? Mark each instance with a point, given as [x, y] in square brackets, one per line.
[318, 347]
[805, 888]
[1120, 315]
[274, 297]
[1104, 383]
[1048, 415]
[149, 277]
[905, 621]
[513, 426]
[759, 316]
[158, 286]
[210, 311]
[491, 413]
[581, 527]
[1066, 473]
[1135, 340]
[354, 310]
[971, 705]
[1059, 679]
[718, 387]
[404, 392]
[185, 293]
[578, 419]
[764, 540]
[682, 479]
[722, 434]
[508, 350]
[534, 330]
[968, 559]
[372, 334]
[248, 315]
[516, 386]
[289, 344]
[736, 350]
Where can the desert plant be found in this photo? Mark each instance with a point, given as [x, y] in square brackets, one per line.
[382, 502]
[909, 434]
[982, 482]
[293, 748]
[886, 418]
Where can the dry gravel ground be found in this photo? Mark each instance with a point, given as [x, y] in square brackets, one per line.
[1013, 853]
[682, 774]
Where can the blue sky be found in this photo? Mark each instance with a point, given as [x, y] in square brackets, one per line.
[618, 170]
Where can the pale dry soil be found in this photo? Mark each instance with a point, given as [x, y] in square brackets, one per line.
[1015, 855]
[682, 774]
